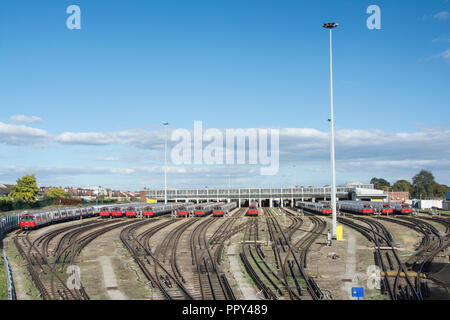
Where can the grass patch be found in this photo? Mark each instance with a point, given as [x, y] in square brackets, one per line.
[16, 259]
[437, 211]
[3, 283]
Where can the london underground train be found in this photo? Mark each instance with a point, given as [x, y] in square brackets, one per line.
[34, 220]
[159, 209]
[119, 210]
[204, 209]
[356, 207]
[252, 210]
[221, 209]
[401, 208]
[323, 208]
[378, 207]
[105, 212]
[185, 210]
[383, 207]
[132, 211]
[116, 212]
[37, 219]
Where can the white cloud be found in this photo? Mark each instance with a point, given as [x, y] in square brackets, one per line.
[85, 138]
[442, 39]
[137, 137]
[358, 153]
[21, 135]
[443, 15]
[107, 159]
[134, 177]
[25, 119]
[445, 55]
[302, 145]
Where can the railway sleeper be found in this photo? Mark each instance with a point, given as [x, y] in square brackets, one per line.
[276, 257]
[391, 265]
[297, 285]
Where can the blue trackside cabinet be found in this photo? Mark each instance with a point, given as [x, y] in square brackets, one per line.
[358, 292]
[447, 196]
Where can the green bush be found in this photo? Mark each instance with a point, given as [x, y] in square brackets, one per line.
[6, 204]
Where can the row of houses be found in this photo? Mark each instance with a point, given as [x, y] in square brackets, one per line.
[92, 193]
[5, 189]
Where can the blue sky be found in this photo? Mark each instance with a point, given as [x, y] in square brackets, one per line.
[231, 64]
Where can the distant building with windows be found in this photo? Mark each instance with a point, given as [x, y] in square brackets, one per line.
[5, 190]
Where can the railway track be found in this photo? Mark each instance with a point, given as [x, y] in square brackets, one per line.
[303, 246]
[288, 278]
[212, 283]
[247, 250]
[435, 244]
[48, 268]
[47, 280]
[397, 288]
[139, 246]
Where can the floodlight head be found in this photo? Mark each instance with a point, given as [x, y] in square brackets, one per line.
[330, 25]
[165, 123]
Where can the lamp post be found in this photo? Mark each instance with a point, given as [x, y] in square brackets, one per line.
[165, 124]
[331, 26]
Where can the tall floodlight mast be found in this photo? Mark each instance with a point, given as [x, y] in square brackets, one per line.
[331, 26]
[165, 124]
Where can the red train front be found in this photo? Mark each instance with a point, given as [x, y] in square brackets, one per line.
[367, 208]
[199, 211]
[131, 212]
[116, 212]
[182, 211]
[387, 209]
[406, 208]
[326, 209]
[148, 212]
[252, 210]
[27, 221]
[217, 211]
[105, 212]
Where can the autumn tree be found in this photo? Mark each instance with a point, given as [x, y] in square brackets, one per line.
[25, 190]
[55, 193]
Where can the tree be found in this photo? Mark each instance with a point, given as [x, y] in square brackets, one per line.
[439, 190]
[26, 189]
[55, 193]
[402, 186]
[423, 184]
[378, 183]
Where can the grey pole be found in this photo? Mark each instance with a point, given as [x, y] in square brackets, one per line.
[165, 162]
[332, 25]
